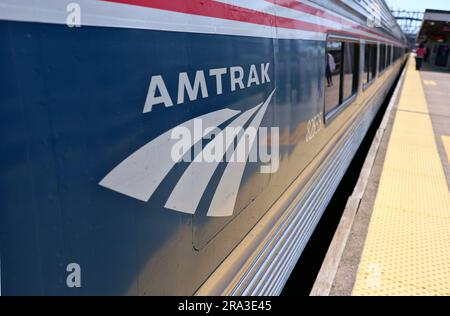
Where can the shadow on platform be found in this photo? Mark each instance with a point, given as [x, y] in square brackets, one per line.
[427, 67]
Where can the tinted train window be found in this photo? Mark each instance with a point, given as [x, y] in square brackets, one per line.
[351, 65]
[398, 53]
[341, 70]
[382, 57]
[333, 75]
[389, 55]
[370, 62]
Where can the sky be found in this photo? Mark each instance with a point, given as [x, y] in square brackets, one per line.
[419, 5]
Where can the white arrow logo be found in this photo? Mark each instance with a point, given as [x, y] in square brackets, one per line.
[140, 174]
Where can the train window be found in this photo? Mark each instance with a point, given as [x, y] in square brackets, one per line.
[333, 75]
[370, 62]
[388, 57]
[373, 56]
[351, 65]
[382, 57]
[366, 63]
[342, 65]
[399, 52]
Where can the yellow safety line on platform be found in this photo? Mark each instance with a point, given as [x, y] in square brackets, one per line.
[446, 142]
[407, 250]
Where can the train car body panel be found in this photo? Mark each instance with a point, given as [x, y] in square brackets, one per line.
[86, 172]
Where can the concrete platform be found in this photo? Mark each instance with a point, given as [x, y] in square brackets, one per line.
[394, 237]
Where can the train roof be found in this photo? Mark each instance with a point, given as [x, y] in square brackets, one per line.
[362, 10]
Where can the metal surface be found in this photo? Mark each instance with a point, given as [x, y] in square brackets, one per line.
[75, 105]
[275, 244]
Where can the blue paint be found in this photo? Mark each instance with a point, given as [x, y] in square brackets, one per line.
[72, 103]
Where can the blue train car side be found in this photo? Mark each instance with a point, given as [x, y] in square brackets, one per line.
[91, 199]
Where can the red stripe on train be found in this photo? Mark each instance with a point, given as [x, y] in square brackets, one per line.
[305, 8]
[209, 8]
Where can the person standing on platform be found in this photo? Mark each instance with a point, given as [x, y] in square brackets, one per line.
[420, 54]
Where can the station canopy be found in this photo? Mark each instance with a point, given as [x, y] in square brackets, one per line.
[435, 27]
[434, 34]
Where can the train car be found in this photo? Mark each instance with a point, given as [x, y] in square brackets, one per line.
[118, 172]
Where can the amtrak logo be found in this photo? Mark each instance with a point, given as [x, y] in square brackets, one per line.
[139, 175]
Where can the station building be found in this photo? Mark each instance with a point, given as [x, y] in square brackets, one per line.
[435, 35]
